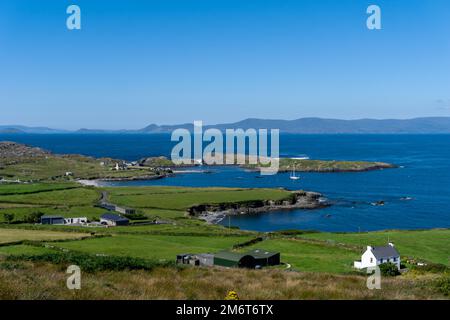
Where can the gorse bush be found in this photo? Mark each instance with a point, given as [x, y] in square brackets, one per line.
[389, 269]
[443, 285]
[93, 263]
[431, 267]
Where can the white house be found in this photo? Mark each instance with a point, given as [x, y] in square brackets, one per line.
[375, 256]
[81, 220]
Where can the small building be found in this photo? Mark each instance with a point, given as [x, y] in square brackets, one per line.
[265, 258]
[52, 220]
[124, 210]
[203, 259]
[68, 173]
[112, 220]
[81, 220]
[374, 256]
[107, 206]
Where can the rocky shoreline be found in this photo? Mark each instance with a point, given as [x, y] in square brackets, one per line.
[214, 213]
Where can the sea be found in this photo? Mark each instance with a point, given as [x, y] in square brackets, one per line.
[416, 195]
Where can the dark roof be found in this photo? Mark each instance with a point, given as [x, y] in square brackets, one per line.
[52, 217]
[231, 256]
[261, 253]
[113, 217]
[385, 252]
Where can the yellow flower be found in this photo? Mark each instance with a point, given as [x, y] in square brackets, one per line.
[232, 295]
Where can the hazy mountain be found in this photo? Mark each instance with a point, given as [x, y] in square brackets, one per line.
[25, 129]
[302, 125]
[323, 126]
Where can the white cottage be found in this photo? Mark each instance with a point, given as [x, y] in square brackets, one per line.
[375, 256]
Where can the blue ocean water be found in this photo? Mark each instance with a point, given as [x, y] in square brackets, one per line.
[416, 195]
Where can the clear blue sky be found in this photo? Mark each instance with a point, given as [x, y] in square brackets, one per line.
[170, 61]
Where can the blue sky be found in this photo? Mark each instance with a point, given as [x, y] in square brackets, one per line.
[171, 61]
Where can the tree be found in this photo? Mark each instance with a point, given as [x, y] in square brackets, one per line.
[9, 217]
[33, 217]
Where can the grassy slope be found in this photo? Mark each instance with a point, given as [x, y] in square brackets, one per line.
[431, 245]
[69, 197]
[45, 281]
[55, 167]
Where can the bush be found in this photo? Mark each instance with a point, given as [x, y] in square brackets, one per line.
[34, 217]
[432, 268]
[9, 217]
[443, 285]
[135, 216]
[389, 269]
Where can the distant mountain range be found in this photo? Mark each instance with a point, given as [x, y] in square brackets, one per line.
[303, 125]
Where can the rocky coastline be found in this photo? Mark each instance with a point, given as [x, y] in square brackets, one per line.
[214, 213]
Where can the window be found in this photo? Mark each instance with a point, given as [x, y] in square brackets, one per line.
[371, 260]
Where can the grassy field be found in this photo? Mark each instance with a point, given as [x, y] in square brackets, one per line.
[305, 256]
[151, 246]
[69, 197]
[177, 198]
[430, 245]
[12, 235]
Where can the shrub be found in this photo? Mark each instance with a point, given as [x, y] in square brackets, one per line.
[443, 285]
[135, 216]
[34, 217]
[9, 217]
[432, 268]
[389, 269]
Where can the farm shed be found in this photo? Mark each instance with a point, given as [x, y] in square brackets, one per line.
[52, 220]
[265, 258]
[203, 259]
[234, 259]
[111, 219]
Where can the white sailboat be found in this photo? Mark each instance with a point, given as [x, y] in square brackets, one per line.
[293, 176]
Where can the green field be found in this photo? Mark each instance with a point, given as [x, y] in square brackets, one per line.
[305, 256]
[430, 245]
[177, 198]
[150, 246]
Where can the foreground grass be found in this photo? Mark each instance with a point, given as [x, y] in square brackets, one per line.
[15, 235]
[26, 280]
[430, 245]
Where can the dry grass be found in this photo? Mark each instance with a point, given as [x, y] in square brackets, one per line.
[45, 281]
[13, 235]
